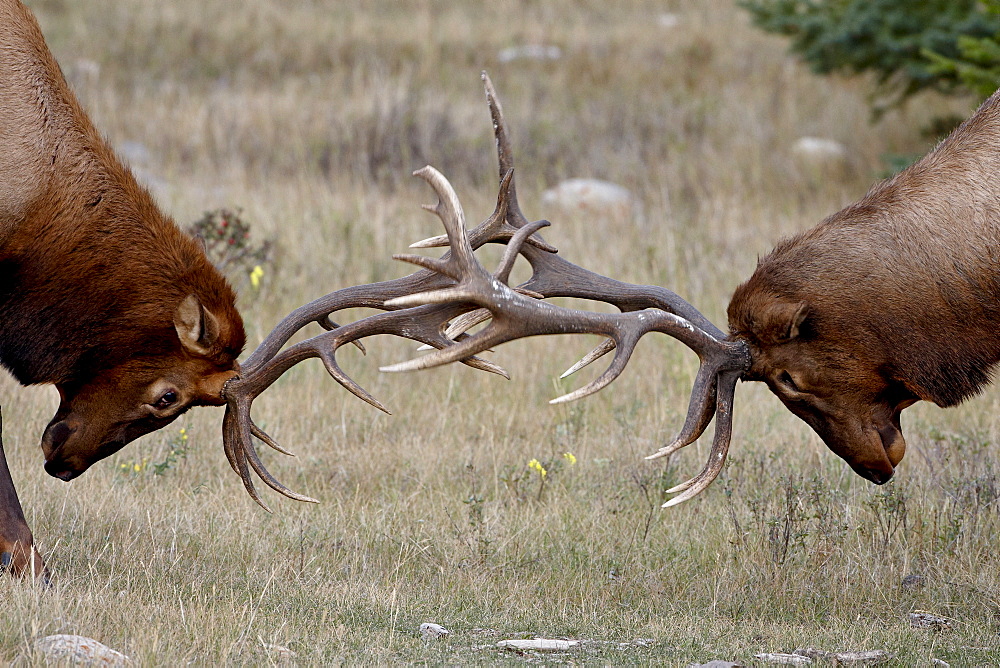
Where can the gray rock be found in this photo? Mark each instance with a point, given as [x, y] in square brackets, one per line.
[783, 659]
[668, 20]
[591, 195]
[846, 658]
[63, 648]
[820, 151]
[430, 630]
[529, 52]
[538, 645]
[921, 619]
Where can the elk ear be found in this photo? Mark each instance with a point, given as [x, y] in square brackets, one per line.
[196, 327]
[200, 240]
[802, 311]
[782, 320]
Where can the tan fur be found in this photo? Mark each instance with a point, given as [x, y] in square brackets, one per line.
[902, 298]
[94, 279]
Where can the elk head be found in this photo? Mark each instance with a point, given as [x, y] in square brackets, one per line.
[840, 385]
[102, 410]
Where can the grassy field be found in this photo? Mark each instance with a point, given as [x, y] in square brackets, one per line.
[310, 116]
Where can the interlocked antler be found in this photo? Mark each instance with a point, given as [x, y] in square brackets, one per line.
[425, 324]
[514, 315]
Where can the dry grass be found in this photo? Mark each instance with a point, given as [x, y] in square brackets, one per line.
[310, 116]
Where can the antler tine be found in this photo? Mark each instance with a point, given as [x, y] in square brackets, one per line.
[701, 409]
[237, 460]
[597, 353]
[467, 321]
[263, 436]
[495, 229]
[621, 358]
[505, 153]
[330, 363]
[720, 441]
[461, 258]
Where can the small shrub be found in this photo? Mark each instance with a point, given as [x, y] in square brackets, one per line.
[977, 65]
[226, 237]
[177, 449]
[888, 38]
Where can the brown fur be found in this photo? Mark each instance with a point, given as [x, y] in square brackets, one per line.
[898, 295]
[100, 293]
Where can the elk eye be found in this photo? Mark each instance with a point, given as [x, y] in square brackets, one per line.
[168, 399]
[786, 379]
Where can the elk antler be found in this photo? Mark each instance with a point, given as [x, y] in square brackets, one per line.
[515, 314]
[426, 324]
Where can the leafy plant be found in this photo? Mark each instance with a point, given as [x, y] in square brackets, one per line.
[177, 449]
[226, 238]
[977, 64]
[888, 38]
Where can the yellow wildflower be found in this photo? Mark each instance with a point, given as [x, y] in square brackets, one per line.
[570, 457]
[536, 465]
[255, 276]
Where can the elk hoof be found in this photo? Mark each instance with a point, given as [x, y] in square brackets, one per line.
[5, 560]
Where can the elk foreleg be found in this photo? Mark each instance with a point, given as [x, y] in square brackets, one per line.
[18, 555]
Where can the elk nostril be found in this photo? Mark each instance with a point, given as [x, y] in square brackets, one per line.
[58, 434]
[880, 477]
[56, 470]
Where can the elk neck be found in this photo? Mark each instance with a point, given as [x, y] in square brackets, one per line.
[87, 260]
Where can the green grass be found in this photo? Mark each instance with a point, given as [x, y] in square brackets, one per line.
[310, 117]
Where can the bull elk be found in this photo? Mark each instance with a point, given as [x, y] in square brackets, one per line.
[102, 295]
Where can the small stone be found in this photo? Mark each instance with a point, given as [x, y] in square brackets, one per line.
[667, 20]
[860, 658]
[590, 195]
[783, 659]
[939, 662]
[863, 658]
[814, 653]
[912, 582]
[921, 619]
[430, 630]
[529, 52]
[79, 649]
[716, 663]
[819, 149]
[538, 645]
